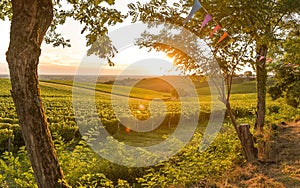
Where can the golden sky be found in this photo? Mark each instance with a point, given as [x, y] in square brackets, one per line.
[66, 60]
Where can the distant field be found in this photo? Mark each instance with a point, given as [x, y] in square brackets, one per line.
[240, 88]
[64, 87]
[164, 84]
[138, 93]
[4, 87]
[58, 105]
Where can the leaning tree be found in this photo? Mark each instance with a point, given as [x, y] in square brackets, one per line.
[254, 26]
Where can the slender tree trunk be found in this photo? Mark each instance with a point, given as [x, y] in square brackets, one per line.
[30, 21]
[244, 135]
[261, 77]
[243, 132]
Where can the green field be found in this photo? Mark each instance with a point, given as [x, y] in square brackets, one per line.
[125, 91]
[79, 161]
[57, 101]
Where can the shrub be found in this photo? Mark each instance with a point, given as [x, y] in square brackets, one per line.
[189, 167]
[10, 133]
[16, 171]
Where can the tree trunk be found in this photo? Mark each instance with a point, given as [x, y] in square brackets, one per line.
[244, 135]
[30, 21]
[247, 141]
[261, 77]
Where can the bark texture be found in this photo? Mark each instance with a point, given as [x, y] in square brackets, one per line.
[261, 76]
[247, 141]
[244, 135]
[30, 21]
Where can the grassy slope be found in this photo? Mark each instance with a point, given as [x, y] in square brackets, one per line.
[58, 87]
[138, 93]
[240, 88]
[155, 84]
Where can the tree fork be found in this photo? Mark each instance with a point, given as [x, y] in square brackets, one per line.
[30, 21]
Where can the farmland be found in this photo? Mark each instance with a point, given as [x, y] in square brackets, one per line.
[83, 167]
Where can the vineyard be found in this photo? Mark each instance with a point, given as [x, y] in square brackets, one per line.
[84, 167]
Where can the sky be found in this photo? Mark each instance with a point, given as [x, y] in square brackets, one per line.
[66, 60]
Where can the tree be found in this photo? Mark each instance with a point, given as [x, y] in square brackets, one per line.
[30, 20]
[257, 25]
[265, 22]
[287, 71]
[229, 57]
[248, 73]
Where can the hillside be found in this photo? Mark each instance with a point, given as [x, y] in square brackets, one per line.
[155, 84]
[164, 84]
[137, 93]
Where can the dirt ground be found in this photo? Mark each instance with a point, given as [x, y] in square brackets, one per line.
[285, 152]
[282, 169]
